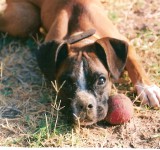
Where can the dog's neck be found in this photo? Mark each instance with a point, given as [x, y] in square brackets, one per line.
[82, 43]
[82, 38]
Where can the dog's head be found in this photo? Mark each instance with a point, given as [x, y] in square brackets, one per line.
[85, 73]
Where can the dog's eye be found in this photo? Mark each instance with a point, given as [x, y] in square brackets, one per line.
[101, 80]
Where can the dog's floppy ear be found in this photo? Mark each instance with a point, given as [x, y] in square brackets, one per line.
[49, 56]
[113, 54]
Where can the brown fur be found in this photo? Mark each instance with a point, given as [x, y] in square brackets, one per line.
[106, 52]
[22, 18]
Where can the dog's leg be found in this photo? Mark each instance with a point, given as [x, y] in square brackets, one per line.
[59, 27]
[18, 18]
[149, 93]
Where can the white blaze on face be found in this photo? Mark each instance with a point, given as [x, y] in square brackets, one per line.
[81, 78]
[3, 6]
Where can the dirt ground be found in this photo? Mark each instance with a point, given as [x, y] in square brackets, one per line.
[28, 114]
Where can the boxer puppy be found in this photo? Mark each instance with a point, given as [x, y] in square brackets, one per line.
[86, 65]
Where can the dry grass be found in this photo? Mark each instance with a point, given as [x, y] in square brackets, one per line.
[35, 120]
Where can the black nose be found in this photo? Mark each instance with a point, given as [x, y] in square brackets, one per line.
[86, 106]
[90, 106]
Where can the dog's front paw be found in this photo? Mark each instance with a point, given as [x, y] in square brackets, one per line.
[149, 94]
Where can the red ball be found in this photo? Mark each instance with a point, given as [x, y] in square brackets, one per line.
[120, 109]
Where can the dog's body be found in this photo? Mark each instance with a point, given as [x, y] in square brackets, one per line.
[87, 65]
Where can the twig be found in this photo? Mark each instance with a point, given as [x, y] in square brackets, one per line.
[77, 124]
[56, 106]
[48, 134]
[55, 85]
[1, 71]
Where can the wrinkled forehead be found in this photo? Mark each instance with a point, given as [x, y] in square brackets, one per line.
[92, 64]
[87, 62]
